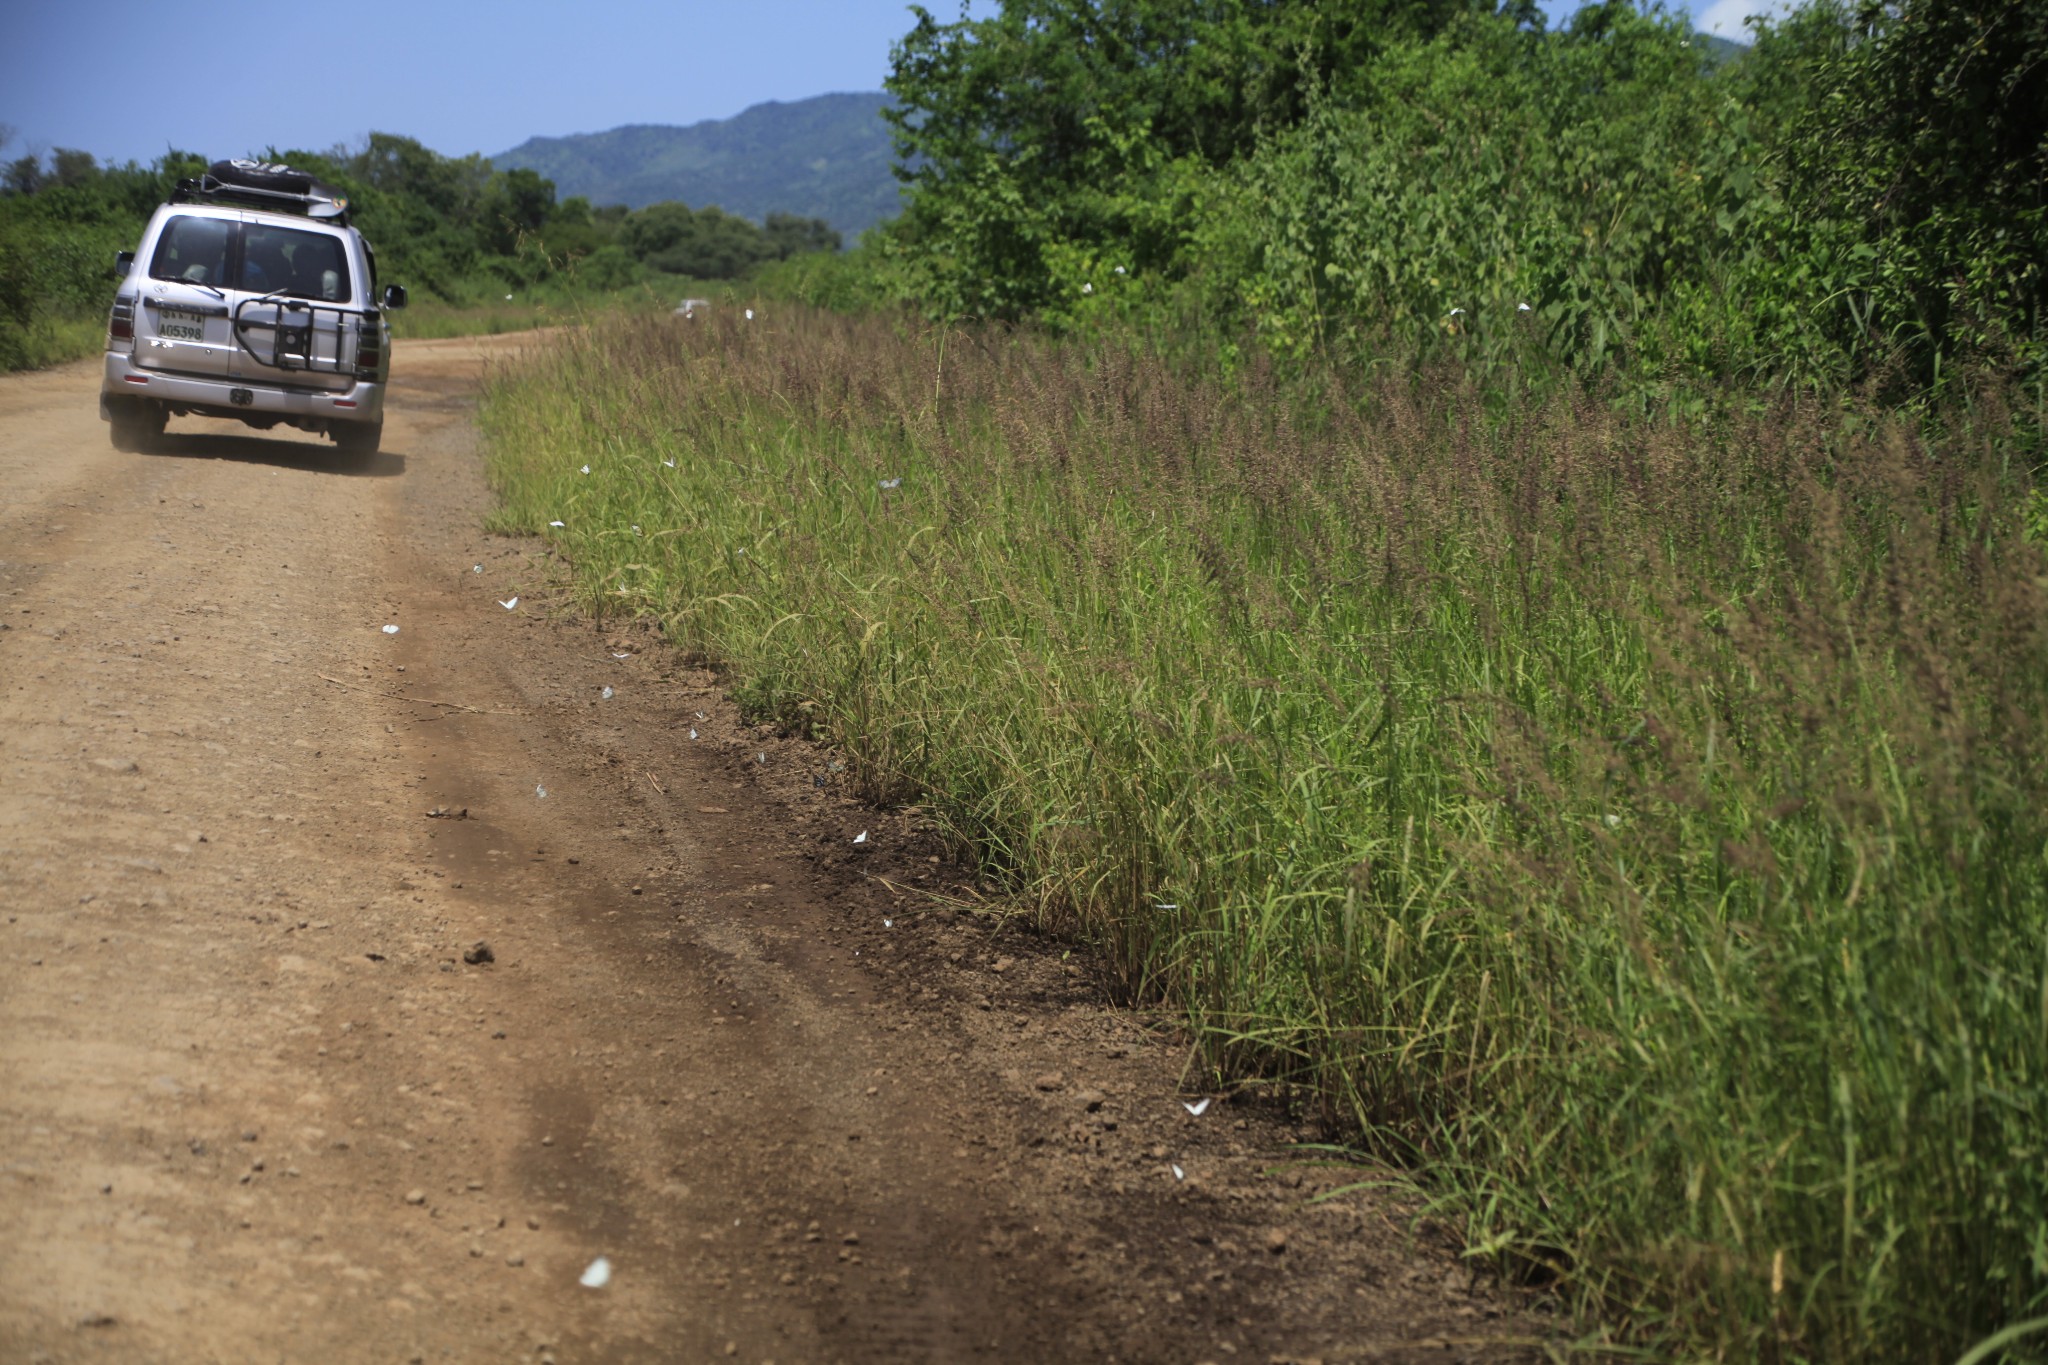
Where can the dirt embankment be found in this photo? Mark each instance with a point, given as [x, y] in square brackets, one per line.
[257, 1101]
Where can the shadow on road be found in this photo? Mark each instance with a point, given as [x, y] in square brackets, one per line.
[315, 459]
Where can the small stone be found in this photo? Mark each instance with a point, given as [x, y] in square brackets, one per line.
[1092, 1100]
[1276, 1240]
[476, 1184]
[1051, 1080]
[515, 1260]
[533, 1224]
[415, 1196]
[479, 954]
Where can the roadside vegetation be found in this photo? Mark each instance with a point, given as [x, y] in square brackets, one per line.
[1640, 823]
[479, 250]
[1500, 571]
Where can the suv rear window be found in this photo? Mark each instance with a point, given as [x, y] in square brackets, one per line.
[194, 250]
[265, 258]
[297, 264]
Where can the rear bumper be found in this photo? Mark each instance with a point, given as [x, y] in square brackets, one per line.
[124, 381]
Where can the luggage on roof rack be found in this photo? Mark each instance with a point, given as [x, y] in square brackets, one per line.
[265, 184]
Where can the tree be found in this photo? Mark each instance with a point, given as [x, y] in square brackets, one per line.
[707, 243]
[1035, 136]
[446, 187]
[790, 235]
[24, 175]
[69, 166]
[515, 204]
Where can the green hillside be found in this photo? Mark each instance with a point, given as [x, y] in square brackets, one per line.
[825, 157]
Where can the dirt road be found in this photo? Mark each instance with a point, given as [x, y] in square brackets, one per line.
[257, 1103]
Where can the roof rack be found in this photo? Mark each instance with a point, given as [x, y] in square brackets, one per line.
[264, 185]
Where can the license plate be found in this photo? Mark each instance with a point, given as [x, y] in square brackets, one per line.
[181, 324]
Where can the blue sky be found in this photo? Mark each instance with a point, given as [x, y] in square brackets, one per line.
[125, 79]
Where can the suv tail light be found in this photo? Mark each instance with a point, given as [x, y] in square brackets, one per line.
[369, 347]
[121, 325]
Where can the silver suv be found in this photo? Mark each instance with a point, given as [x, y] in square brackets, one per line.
[250, 297]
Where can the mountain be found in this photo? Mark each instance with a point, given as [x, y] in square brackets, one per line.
[825, 157]
[1720, 51]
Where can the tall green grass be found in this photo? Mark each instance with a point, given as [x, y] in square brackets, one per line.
[1641, 826]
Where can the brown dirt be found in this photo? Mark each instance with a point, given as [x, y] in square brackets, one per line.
[813, 1100]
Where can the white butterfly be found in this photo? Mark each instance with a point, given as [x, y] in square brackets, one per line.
[861, 837]
[509, 605]
[888, 924]
[1179, 1174]
[554, 523]
[750, 315]
[888, 483]
[597, 1275]
[669, 463]
[540, 791]
[586, 469]
[477, 568]
[1198, 1108]
[622, 656]
[391, 630]
[693, 732]
[605, 695]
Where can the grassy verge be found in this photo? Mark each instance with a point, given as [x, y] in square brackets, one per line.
[1643, 827]
[48, 341]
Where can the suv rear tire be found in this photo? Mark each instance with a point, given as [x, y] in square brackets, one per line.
[136, 428]
[359, 440]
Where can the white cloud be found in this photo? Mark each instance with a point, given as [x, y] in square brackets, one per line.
[1724, 17]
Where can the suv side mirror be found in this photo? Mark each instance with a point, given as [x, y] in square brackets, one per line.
[124, 264]
[394, 296]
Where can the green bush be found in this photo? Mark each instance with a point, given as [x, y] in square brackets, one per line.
[1861, 194]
